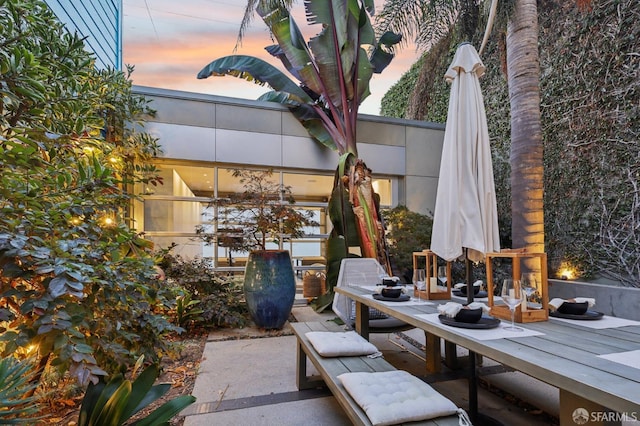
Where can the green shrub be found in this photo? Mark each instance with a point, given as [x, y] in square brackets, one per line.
[75, 286]
[188, 311]
[407, 232]
[221, 297]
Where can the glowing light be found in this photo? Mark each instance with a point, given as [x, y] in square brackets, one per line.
[108, 219]
[567, 272]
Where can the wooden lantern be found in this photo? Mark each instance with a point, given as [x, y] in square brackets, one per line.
[523, 313]
[433, 291]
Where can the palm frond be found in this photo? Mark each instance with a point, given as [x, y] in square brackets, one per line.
[423, 21]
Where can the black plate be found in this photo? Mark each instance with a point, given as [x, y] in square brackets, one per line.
[401, 298]
[458, 293]
[484, 323]
[589, 315]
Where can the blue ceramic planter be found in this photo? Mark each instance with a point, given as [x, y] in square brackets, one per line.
[269, 287]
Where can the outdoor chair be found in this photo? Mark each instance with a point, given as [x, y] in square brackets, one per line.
[365, 272]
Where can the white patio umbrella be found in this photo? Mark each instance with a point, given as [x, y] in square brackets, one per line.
[465, 215]
[465, 221]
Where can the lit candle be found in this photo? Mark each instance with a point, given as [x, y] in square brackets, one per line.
[433, 284]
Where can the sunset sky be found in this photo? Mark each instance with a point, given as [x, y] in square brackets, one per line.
[170, 41]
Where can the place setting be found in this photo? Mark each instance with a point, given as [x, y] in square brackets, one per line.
[390, 291]
[475, 320]
[577, 308]
[474, 315]
[460, 290]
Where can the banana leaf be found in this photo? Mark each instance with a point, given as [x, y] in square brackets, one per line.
[256, 70]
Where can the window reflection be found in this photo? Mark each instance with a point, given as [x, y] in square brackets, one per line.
[170, 213]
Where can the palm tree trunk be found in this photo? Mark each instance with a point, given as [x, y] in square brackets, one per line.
[523, 68]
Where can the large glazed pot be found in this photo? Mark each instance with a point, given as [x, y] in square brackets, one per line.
[269, 287]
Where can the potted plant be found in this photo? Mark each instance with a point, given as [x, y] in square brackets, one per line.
[260, 215]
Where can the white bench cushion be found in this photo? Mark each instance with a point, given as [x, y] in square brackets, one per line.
[347, 343]
[393, 397]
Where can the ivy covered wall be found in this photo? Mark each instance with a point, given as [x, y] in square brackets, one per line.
[590, 87]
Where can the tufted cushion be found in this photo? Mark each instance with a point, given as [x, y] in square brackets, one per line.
[392, 397]
[348, 343]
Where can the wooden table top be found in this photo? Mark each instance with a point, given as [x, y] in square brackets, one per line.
[566, 354]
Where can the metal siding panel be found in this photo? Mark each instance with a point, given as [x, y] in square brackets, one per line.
[291, 126]
[182, 111]
[423, 151]
[380, 133]
[303, 152]
[383, 159]
[184, 142]
[234, 146]
[421, 194]
[248, 119]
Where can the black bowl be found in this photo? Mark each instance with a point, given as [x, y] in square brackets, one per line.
[389, 282]
[391, 292]
[469, 315]
[463, 289]
[573, 308]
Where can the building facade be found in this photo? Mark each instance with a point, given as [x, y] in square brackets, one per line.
[99, 21]
[205, 137]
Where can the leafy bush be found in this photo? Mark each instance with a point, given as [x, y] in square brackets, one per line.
[187, 310]
[407, 232]
[221, 297]
[76, 282]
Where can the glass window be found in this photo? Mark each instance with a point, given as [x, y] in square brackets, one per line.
[171, 212]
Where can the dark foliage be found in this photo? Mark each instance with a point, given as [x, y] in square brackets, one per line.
[221, 298]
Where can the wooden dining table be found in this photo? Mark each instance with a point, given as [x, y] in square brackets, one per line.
[595, 364]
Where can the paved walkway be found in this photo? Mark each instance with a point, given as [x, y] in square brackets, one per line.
[248, 379]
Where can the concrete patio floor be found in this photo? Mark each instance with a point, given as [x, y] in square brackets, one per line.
[248, 379]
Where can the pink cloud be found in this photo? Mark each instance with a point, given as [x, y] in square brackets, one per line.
[171, 48]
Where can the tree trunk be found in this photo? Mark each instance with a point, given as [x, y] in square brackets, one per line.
[523, 68]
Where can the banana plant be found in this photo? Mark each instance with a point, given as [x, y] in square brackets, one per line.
[333, 70]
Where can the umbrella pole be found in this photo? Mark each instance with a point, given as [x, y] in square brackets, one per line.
[473, 379]
[468, 278]
[475, 417]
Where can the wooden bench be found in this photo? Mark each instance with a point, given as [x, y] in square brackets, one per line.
[330, 368]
